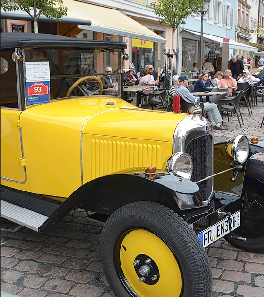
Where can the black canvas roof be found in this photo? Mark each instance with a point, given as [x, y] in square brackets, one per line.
[12, 40]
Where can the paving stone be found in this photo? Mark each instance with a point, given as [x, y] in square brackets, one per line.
[34, 282]
[53, 249]
[254, 268]
[226, 254]
[223, 286]
[86, 290]
[30, 266]
[26, 292]
[247, 291]
[236, 276]
[28, 255]
[250, 257]
[8, 252]
[259, 281]
[216, 273]
[10, 276]
[230, 265]
[7, 262]
[10, 288]
[57, 285]
[54, 271]
[49, 258]
[95, 266]
[76, 263]
[81, 276]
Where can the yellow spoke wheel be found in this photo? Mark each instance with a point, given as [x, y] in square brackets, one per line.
[149, 266]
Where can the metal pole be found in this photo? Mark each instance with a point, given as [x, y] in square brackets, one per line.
[201, 42]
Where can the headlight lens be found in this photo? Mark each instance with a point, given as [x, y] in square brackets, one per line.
[240, 149]
[180, 164]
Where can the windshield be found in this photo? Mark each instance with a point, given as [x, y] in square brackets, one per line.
[70, 73]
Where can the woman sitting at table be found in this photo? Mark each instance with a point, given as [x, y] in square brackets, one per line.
[217, 77]
[202, 83]
[146, 79]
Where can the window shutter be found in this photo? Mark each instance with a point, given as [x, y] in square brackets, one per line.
[231, 16]
[225, 14]
[216, 11]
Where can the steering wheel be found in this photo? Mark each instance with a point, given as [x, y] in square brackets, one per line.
[84, 87]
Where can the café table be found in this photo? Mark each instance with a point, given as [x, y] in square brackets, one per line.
[137, 89]
[207, 94]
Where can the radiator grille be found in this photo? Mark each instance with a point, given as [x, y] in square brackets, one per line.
[200, 150]
[113, 156]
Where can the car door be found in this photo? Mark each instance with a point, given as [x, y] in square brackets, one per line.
[12, 161]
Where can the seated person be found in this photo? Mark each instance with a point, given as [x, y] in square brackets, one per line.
[108, 80]
[217, 77]
[175, 81]
[202, 83]
[246, 77]
[196, 68]
[228, 82]
[147, 78]
[260, 74]
[131, 75]
[211, 109]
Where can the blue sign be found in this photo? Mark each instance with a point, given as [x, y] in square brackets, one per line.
[37, 92]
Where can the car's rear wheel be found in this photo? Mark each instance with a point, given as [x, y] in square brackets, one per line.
[149, 251]
[250, 235]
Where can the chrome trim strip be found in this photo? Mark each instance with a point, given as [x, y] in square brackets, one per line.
[218, 173]
[81, 144]
[193, 122]
[22, 155]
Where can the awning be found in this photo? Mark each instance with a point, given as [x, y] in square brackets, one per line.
[232, 43]
[110, 21]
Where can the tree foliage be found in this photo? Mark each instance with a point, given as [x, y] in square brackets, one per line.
[174, 12]
[36, 8]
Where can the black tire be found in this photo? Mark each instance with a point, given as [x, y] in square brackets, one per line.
[252, 219]
[175, 238]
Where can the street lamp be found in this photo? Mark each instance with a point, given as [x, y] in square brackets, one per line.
[202, 12]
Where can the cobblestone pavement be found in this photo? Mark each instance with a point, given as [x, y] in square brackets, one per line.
[64, 262]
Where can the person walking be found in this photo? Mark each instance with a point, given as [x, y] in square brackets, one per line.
[211, 109]
[236, 67]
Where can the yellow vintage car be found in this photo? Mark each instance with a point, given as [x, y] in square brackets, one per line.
[163, 189]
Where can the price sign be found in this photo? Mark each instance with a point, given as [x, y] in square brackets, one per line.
[37, 82]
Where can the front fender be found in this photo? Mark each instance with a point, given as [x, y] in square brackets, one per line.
[106, 194]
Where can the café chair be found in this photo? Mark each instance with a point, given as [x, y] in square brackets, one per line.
[262, 123]
[230, 105]
[157, 99]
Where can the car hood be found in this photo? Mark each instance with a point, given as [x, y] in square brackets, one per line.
[107, 116]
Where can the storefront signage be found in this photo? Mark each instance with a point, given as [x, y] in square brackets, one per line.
[141, 43]
[226, 39]
[37, 82]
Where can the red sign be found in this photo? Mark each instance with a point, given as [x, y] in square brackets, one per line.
[226, 39]
[38, 89]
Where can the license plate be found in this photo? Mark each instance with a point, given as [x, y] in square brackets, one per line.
[220, 229]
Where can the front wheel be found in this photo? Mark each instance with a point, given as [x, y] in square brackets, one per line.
[252, 219]
[149, 251]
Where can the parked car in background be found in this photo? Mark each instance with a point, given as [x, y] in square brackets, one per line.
[163, 188]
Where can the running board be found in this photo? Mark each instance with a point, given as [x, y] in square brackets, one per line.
[25, 210]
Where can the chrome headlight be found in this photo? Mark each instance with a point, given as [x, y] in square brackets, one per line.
[180, 164]
[240, 149]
